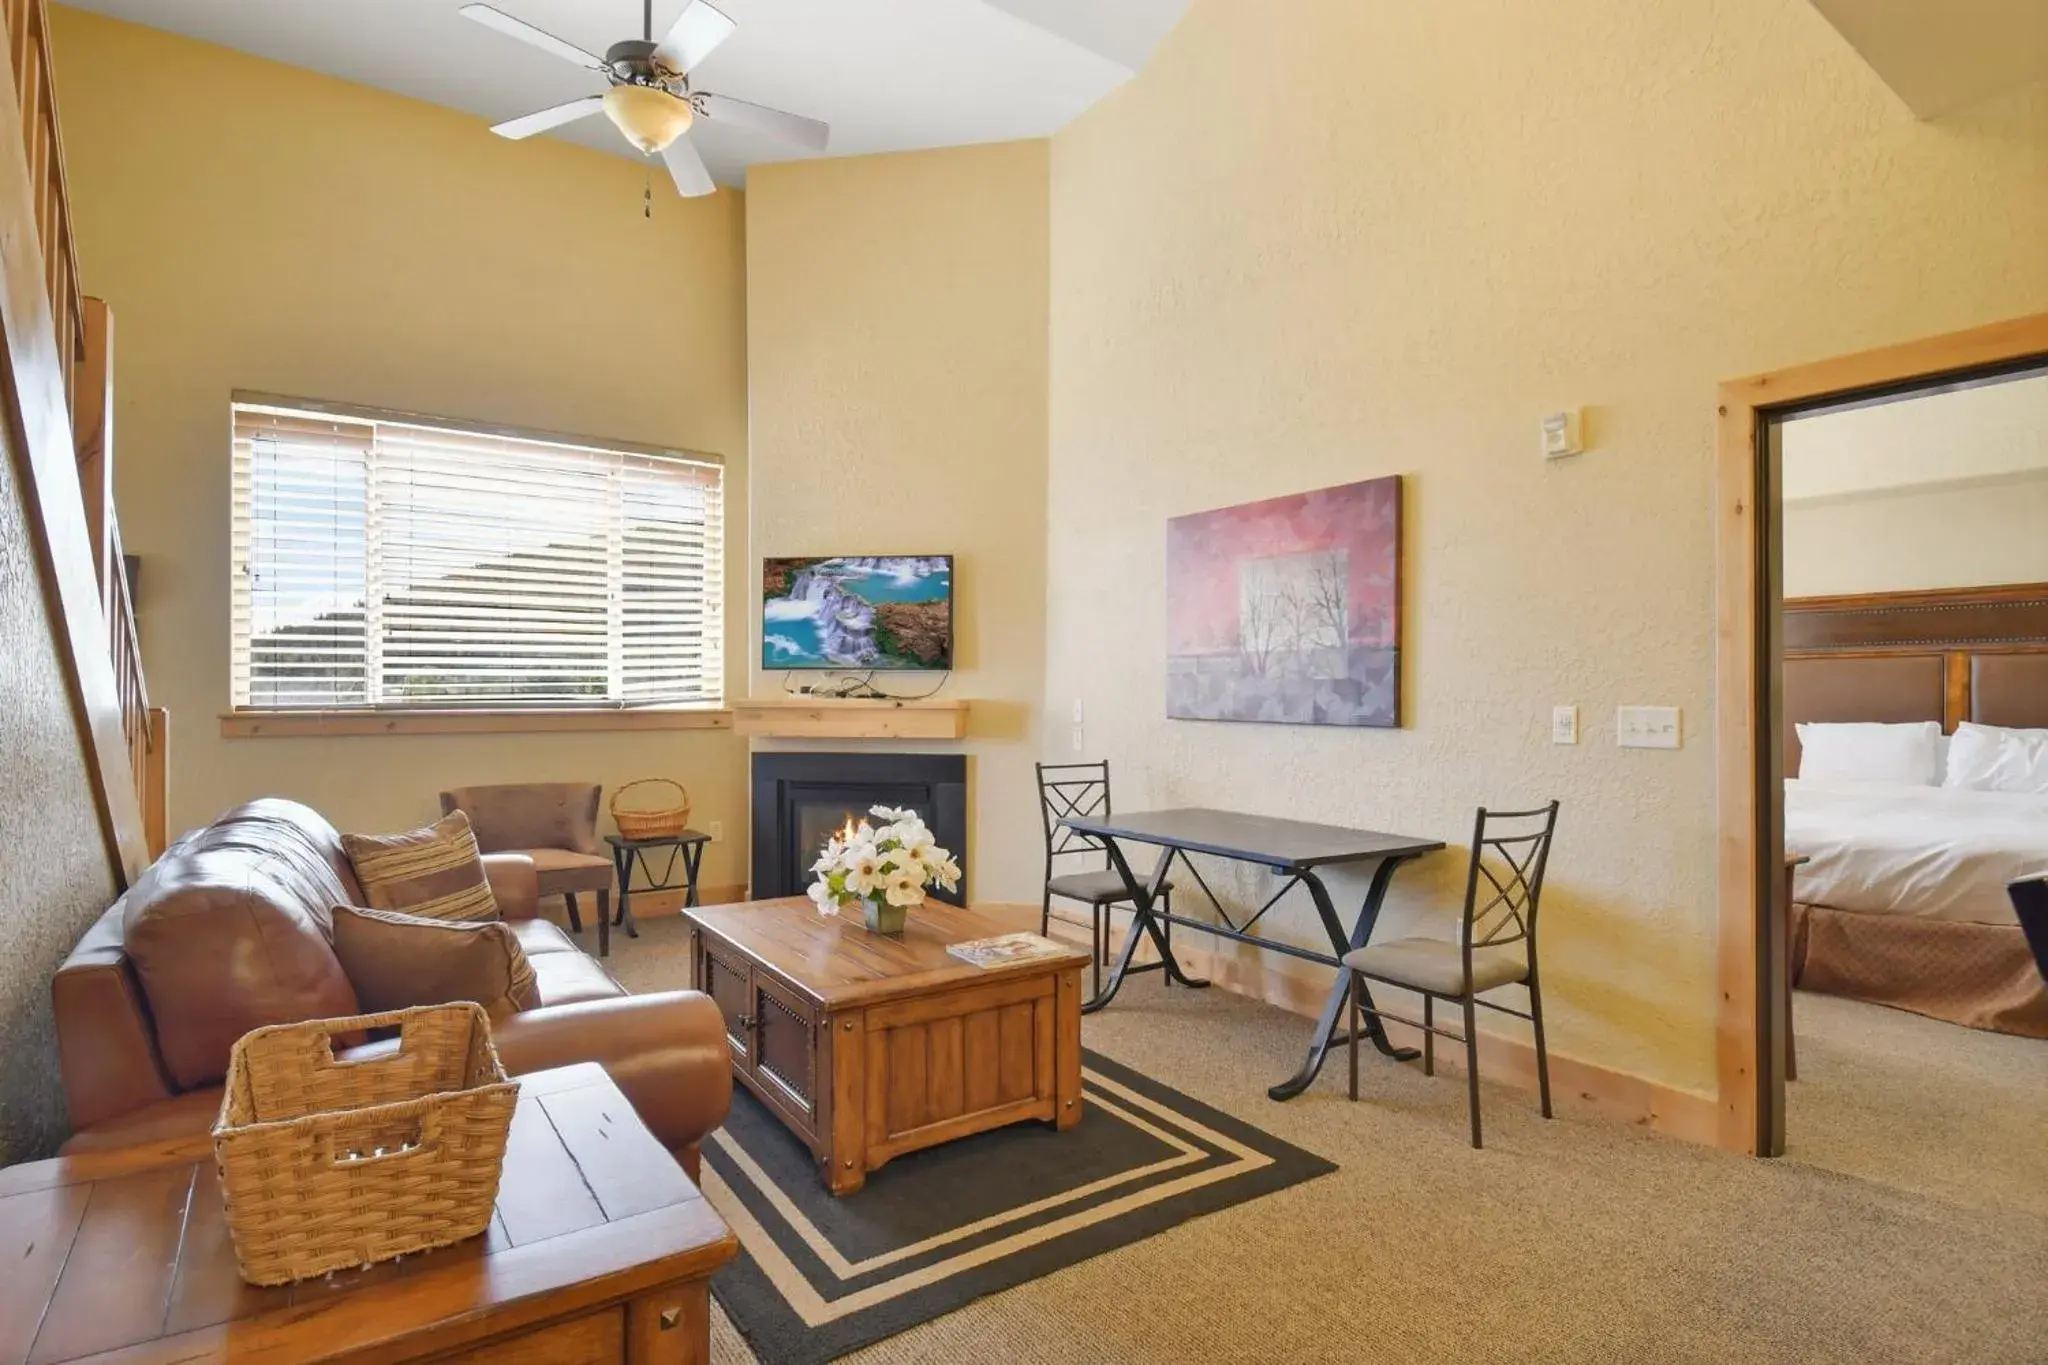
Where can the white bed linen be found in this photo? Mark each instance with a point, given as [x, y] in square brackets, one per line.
[1930, 852]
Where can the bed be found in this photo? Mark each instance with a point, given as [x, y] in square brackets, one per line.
[1902, 900]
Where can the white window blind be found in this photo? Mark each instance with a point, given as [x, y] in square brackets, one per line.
[399, 562]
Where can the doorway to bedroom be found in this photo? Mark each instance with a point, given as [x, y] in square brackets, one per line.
[1883, 735]
[1912, 707]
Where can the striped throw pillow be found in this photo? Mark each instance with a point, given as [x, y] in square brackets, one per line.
[434, 872]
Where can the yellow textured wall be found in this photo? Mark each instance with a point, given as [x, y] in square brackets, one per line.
[897, 366]
[1363, 239]
[260, 227]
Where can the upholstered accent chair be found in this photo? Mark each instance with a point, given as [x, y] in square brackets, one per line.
[553, 823]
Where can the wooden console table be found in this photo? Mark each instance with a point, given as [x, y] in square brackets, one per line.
[599, 1252]
[868, 1046]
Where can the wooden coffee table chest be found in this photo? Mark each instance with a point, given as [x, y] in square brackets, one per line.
[869, 1046]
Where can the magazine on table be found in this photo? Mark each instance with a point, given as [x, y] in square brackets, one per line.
[1005, 949]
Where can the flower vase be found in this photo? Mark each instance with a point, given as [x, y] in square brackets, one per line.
[882, 917]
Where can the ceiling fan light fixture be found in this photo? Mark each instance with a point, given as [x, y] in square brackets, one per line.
[650, 118]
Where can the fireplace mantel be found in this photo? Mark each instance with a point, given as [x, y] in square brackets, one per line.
[849, 718]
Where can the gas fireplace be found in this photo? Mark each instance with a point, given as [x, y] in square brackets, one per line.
[801, 800]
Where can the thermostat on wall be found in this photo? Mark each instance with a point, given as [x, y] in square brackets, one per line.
[1561, 434]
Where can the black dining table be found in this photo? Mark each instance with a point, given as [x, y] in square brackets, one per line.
[1295, 848]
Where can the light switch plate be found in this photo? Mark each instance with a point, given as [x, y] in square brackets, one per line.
[716, 829]
[1564, 725]
[1647, 727]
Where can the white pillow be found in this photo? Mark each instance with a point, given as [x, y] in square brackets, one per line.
[1990, 758]
[1868, 752]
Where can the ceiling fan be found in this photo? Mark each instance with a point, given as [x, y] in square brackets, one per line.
[650, 99]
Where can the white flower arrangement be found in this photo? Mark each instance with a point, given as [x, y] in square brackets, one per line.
[893, 862]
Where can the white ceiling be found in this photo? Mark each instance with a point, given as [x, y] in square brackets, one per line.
[888, 75]
[1943, 55]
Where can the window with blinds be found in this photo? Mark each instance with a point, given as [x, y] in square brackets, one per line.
[386, 561]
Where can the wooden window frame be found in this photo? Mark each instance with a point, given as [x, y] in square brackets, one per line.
[251, 722]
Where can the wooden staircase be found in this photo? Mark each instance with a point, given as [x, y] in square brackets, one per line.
[58, 411]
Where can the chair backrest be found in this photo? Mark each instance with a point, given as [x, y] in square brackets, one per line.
[1504, 887]
[525, 815]
[1071, 790]
[2030, 903]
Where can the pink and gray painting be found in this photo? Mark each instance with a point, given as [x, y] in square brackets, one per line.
[1288, 610]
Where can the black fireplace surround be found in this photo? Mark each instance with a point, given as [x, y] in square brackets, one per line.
[801, 799]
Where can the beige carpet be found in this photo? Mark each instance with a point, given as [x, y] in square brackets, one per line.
[1909, 1225]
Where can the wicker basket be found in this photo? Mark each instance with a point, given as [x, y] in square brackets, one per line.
[329, 1164]
[652, 822]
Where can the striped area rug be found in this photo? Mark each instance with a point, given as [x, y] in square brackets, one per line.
[820, 1276]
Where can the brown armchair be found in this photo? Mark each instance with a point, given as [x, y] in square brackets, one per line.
[553, 823]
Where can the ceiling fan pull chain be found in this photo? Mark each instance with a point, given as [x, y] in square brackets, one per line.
[647, 198]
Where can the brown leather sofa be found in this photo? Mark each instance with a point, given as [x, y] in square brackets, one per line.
[231, 930]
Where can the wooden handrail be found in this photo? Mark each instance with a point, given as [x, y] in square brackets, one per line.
[28, 46]
[59, 414]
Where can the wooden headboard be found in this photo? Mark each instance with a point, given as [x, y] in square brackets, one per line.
[1950, 654]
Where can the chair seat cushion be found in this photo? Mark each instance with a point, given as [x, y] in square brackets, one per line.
[561, 869]
[1104, 887]
[567, 978]
[1430, 964]
[540, 936]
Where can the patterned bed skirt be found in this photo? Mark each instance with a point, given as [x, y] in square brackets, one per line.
[1982, 976]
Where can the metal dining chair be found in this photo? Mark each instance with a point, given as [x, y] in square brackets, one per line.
[1079, 790]
[1496, 947]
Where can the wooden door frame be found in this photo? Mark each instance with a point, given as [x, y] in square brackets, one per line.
[1750, 1082]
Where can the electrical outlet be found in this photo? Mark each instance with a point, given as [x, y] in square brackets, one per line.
[716, 829]
[1564, 725]
[1647, 727]
[1080, 743]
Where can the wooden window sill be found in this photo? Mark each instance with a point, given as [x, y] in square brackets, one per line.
[308, 724]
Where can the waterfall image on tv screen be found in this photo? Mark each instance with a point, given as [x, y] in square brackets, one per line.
[881, 612]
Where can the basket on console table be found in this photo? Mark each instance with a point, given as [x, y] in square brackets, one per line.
[327, 1164]
[652, 822]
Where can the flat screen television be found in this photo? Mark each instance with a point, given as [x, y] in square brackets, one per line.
[858, 612]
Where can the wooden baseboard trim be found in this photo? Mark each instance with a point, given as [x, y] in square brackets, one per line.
[1619, 1095]
[649, 903]
[654, 904]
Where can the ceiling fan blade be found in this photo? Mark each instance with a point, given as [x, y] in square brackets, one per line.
[804, 132]
[527, 33]
[691, 177]
[545, 119]
[697, 30]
